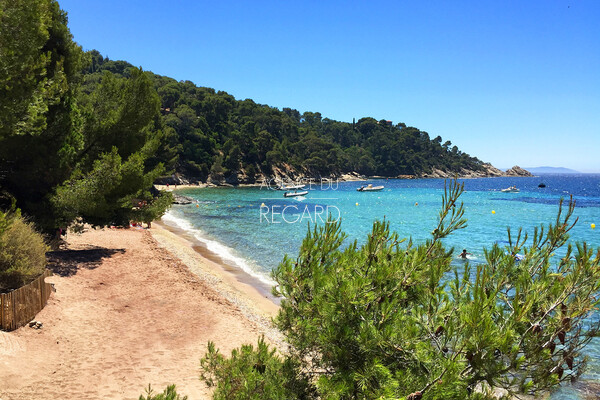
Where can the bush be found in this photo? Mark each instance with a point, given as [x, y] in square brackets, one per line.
[153, 210]
[22, 252]
[169, 394]
[257, 374]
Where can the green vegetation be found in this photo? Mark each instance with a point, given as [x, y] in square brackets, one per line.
[82, 137]
[68, 154]
[22, 252]
[212, 135]
[255, 374]
[393, 320]
[170, 393]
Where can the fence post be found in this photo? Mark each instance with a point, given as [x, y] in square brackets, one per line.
[1, 311]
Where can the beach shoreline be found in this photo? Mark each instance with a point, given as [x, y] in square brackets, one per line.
[132, 307]
[228, 278]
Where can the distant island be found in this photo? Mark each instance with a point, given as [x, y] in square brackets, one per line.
[552, 170]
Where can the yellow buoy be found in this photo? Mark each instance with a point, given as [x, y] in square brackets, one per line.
[493, 212]
[263, 205]
[356, 203]
[593, 226]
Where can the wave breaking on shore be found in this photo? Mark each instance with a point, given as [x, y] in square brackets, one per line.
[227, 254]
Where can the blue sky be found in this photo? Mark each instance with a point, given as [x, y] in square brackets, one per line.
[511, 82]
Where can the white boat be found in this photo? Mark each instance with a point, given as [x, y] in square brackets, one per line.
[295, 193]
[291, 187]
[369, 188]
[512, 189]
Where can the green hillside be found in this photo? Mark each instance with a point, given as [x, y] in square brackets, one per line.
[211, 134]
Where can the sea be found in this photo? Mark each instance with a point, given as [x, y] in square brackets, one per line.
[252, 228]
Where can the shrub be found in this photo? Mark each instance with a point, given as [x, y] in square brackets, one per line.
[22, 251]
[253, 374]
[169, 394]
[153, 210]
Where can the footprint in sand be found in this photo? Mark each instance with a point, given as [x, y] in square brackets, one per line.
[9, 344]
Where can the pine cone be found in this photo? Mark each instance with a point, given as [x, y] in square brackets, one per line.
[558, 370]
[563, 308]
[415, 396]
[550, 345]
[569, 360]
[561, 336]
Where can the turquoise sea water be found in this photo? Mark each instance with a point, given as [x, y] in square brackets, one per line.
[232, 223]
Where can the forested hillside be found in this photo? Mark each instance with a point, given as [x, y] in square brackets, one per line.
[68, 154]
[211, 135]
[82, 138]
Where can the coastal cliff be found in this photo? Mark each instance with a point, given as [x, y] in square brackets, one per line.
[287, 173]
[488, 171]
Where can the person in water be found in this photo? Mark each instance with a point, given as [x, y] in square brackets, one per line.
[464, 254]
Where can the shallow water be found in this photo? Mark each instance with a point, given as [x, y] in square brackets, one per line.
[232, 223]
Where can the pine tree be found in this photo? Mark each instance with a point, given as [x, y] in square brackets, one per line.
[395, 319]
[56, 135]
[383, 319]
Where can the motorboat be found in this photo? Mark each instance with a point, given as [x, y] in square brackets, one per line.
[369, 188]
[291, 187]
[295, 193]
[511, 189]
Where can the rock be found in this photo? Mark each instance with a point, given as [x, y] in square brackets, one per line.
[491, 171]
[518, 171]
[588, 389]
[179, 199]
[487, 171]
[286, 173]
[175, 179]
[351, 176]
[36, 324]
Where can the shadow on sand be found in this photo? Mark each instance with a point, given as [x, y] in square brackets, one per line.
[68, 262]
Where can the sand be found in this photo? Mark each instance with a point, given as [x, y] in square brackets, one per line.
[127, 312]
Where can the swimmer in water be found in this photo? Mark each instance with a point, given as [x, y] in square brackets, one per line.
[464, 254]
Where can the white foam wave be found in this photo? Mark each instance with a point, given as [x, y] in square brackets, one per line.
[226, 253]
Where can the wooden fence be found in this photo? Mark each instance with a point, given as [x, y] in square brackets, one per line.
[19, 307]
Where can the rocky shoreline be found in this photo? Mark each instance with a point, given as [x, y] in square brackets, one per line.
[289, 175]
[489, 172]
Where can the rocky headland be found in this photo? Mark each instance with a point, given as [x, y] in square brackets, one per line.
[518, 171]
[288, 174]
[488, 171]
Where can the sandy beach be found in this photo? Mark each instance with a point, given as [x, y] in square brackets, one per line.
[131, 308]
